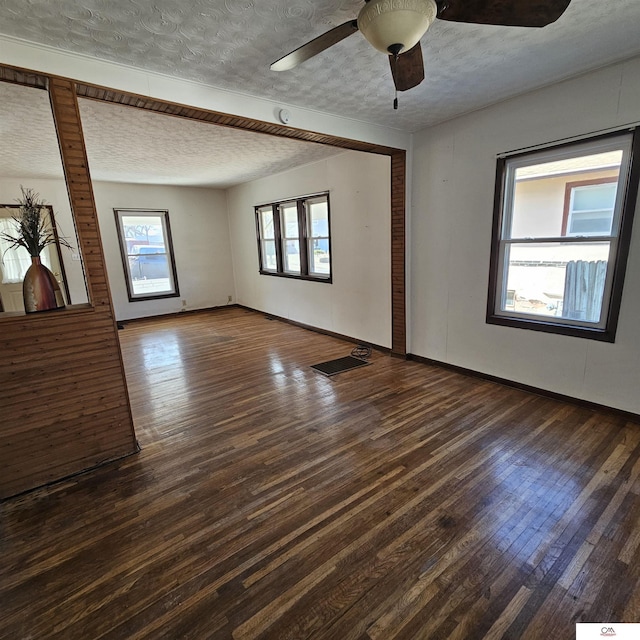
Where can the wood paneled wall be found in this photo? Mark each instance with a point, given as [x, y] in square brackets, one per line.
[64, 405]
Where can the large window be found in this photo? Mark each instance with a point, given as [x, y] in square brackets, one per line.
[147, 254]
[562, 226]
[294, 238]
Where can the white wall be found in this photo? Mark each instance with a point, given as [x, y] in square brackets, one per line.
[358, 302]
[453, 181]
[200, 232]
[54, 192]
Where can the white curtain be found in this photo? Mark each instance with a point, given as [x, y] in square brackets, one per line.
[584, 289]
[15, 262]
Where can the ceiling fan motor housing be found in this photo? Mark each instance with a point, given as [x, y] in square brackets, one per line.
[388, 23]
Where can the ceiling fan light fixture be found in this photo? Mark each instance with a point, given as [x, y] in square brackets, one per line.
[389, 23]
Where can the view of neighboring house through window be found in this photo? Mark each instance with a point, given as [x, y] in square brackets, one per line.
[147, 253]
[563, 220]
[294, 238]
[589, 206]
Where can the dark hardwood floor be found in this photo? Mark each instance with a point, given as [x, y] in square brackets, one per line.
[395, 501]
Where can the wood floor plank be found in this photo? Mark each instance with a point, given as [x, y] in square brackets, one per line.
[396, 501]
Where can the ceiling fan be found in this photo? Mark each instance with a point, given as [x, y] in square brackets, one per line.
[396, 26]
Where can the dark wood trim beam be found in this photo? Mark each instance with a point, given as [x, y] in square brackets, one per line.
[23, 77]
[398, 178]
[137, 101]
[398, 254]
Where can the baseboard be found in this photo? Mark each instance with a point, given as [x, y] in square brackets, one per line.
[586, 404]
[326, 332]
[172, 314]
[593, 406]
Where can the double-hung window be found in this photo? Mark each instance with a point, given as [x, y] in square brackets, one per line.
[294, 238]
[147, 254]
[291, 240]
[267, 234]
[318, 239]
[562, 227]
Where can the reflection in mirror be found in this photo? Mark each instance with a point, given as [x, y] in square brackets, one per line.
[16, 260]
[31, 157]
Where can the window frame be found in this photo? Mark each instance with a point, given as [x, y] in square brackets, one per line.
[262, 240]
[284, 238]
[311, 238]
[169, 252]
[303, 238]
[619, 238]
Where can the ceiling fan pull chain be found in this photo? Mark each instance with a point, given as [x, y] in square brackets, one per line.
[395, 86]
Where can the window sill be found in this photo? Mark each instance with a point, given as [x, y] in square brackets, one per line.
[546, 326]
[293, 276]
[163, 296]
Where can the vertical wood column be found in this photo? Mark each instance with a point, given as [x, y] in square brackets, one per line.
[64, 405]
[398, 241]
[66, 115]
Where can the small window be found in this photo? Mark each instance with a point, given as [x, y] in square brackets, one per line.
[294, 238]
[266, 231]
[147, 254]
[562, 227]
[290, 237]
[590, 206]
[318, 236]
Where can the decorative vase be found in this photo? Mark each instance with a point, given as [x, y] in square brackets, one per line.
[40, 289]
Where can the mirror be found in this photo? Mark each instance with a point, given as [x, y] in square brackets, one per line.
[14, 262]
[31, 158]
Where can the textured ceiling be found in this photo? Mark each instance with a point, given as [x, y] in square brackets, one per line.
[130, 145]
[27, 131]
[230, 43]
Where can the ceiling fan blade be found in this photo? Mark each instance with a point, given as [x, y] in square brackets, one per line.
[407, 68]
[315, 46]
[509, 13]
